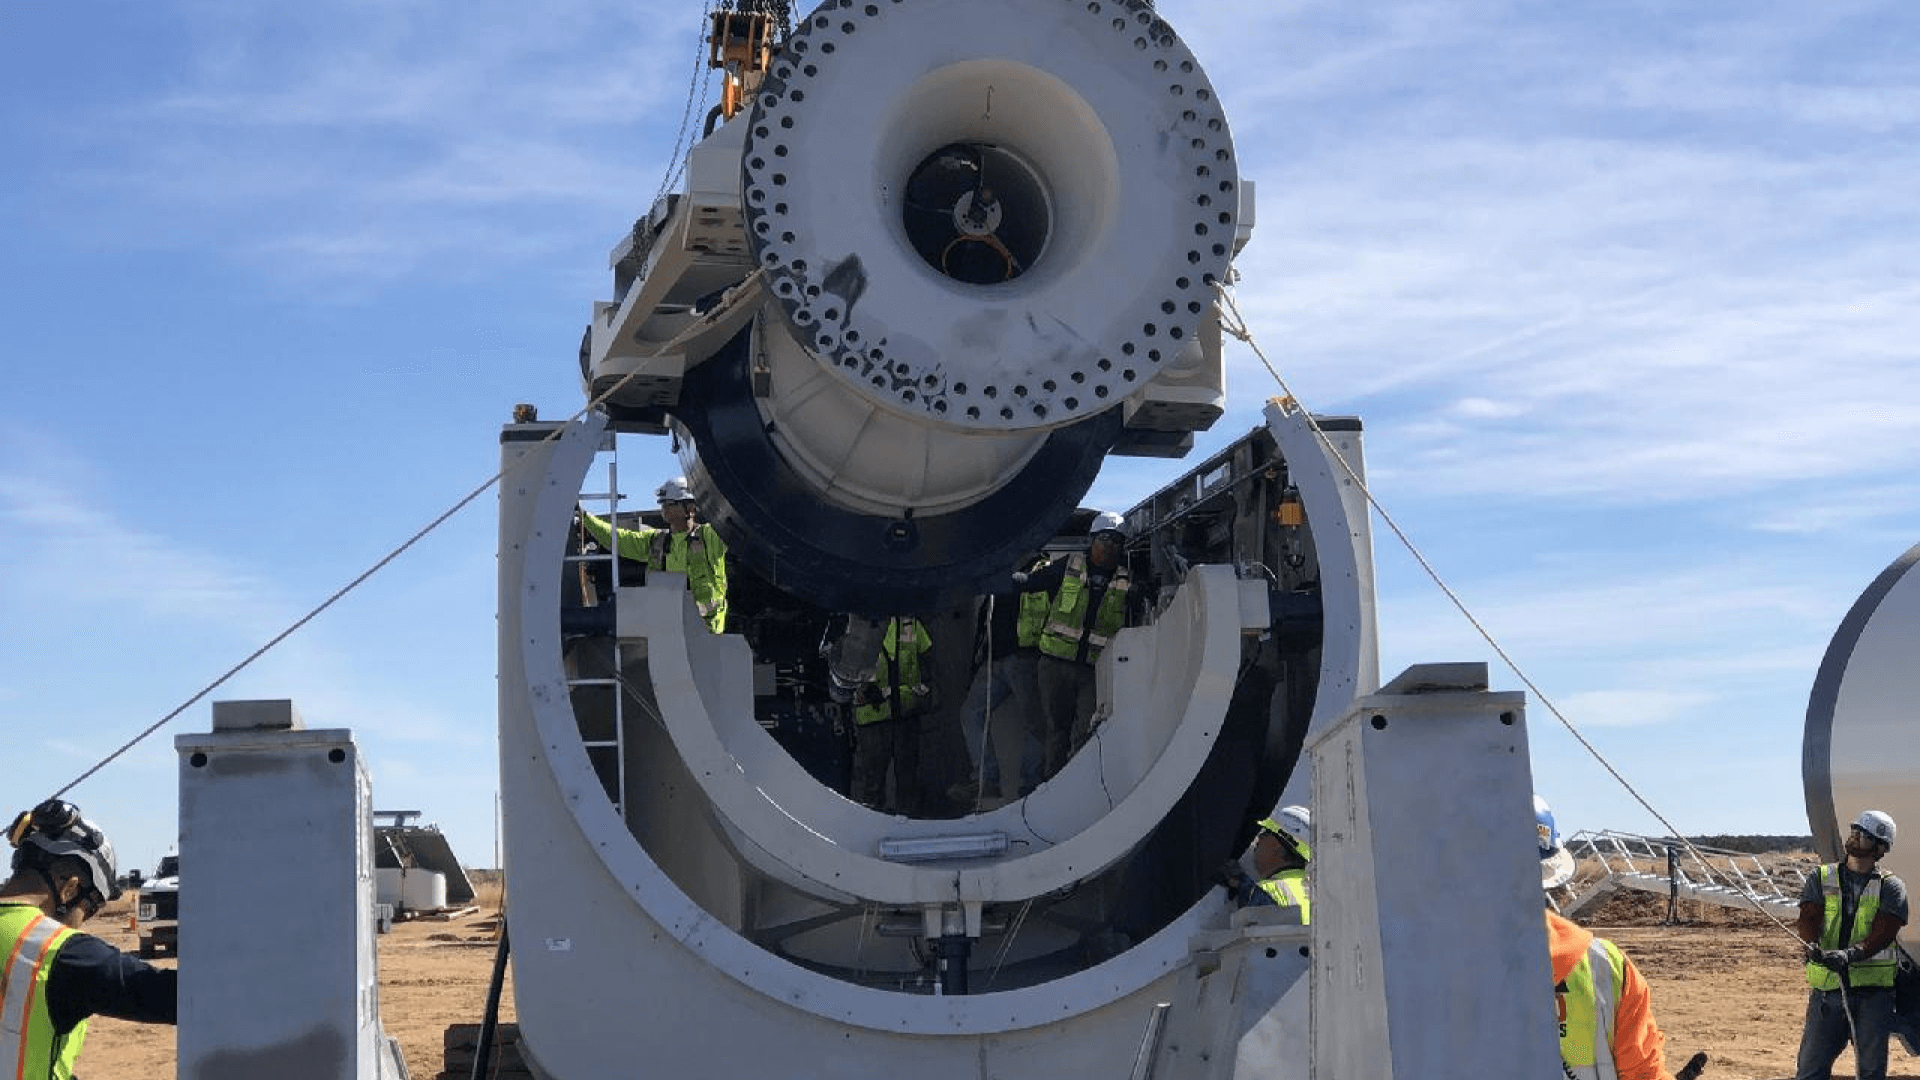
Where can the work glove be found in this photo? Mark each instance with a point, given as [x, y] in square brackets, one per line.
[871, 694]
[1232, 875]
[1019, 577]
[1831, 959]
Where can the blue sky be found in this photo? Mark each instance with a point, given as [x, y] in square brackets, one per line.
[1626, 297]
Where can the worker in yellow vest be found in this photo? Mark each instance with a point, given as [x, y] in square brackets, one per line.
[1281, 851]
[55, 978]
[1851, 913]
[685, 546]
[1605, 1009]
[886, 718]
[1091, 601]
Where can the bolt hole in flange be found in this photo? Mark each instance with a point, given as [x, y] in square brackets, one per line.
[1024, 182]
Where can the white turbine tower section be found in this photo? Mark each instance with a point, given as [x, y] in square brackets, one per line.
[1861, 731]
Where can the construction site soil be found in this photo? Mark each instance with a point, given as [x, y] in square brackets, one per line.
[1725, 982]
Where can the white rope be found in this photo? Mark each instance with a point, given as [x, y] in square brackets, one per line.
[1234, 324]
[381, 563]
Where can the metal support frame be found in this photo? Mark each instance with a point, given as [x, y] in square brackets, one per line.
[270, 810]
[1429, 954]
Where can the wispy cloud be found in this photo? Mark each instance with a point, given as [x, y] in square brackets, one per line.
[1824, 511]
[394, 139]
[1657, 323]
[1632, 708]
[67, 548]
[146, 620]
[1584, 601]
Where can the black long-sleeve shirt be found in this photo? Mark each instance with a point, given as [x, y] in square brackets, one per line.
[92, 978]
[1002, 630]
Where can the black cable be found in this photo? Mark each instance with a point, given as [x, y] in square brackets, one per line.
[489, 1022]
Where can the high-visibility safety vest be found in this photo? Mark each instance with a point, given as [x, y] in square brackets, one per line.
[698, 553]
[1067, 617]
[1032, 621]
[899, 672]
[1589, 999]
[1289, 890]
[1875, 970]
[30, 1049]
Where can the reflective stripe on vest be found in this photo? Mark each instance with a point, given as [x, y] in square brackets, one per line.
[1067, 619]
[706, 575]
[661, 555]
[29, 1046]
[1875, 970]
[1587, 1011]
[1289, 890]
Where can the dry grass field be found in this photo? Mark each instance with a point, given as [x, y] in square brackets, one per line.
[1724, 982]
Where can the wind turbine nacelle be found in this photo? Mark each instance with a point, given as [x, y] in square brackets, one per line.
[957, 266]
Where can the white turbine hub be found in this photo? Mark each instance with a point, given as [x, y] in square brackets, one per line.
[1090, 140]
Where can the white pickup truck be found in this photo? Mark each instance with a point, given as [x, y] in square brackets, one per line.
[157, 916]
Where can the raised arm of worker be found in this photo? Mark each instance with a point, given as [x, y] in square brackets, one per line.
[1046, 579]
[633, 543]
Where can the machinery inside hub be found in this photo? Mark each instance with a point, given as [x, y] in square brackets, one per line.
[795, 704]
[977, 213]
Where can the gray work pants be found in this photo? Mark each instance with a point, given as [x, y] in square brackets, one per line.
[878, 745]
[1066, 706]
[1002, 722]
[1826, 1032]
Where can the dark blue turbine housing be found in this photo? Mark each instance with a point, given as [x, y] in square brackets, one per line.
[843, 560]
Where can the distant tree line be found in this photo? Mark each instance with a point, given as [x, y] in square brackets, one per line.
[1746, 844]
[1755, 845]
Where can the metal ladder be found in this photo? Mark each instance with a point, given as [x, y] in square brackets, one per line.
[606, 505]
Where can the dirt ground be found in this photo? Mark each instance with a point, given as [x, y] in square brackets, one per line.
[432, 974]
[1726, 983]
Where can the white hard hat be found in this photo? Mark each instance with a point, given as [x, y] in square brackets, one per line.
[674, 490]
[1293, 825]
[1877, 824]
[54, 829]
[1108, 521]
[1556, 862]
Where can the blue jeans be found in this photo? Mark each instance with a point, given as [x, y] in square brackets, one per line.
[1826, 1032]
[1006, 691]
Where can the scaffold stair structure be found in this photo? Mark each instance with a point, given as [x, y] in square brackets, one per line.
[1662, 866]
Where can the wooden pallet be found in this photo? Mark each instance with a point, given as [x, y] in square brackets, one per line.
[462, 1045]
